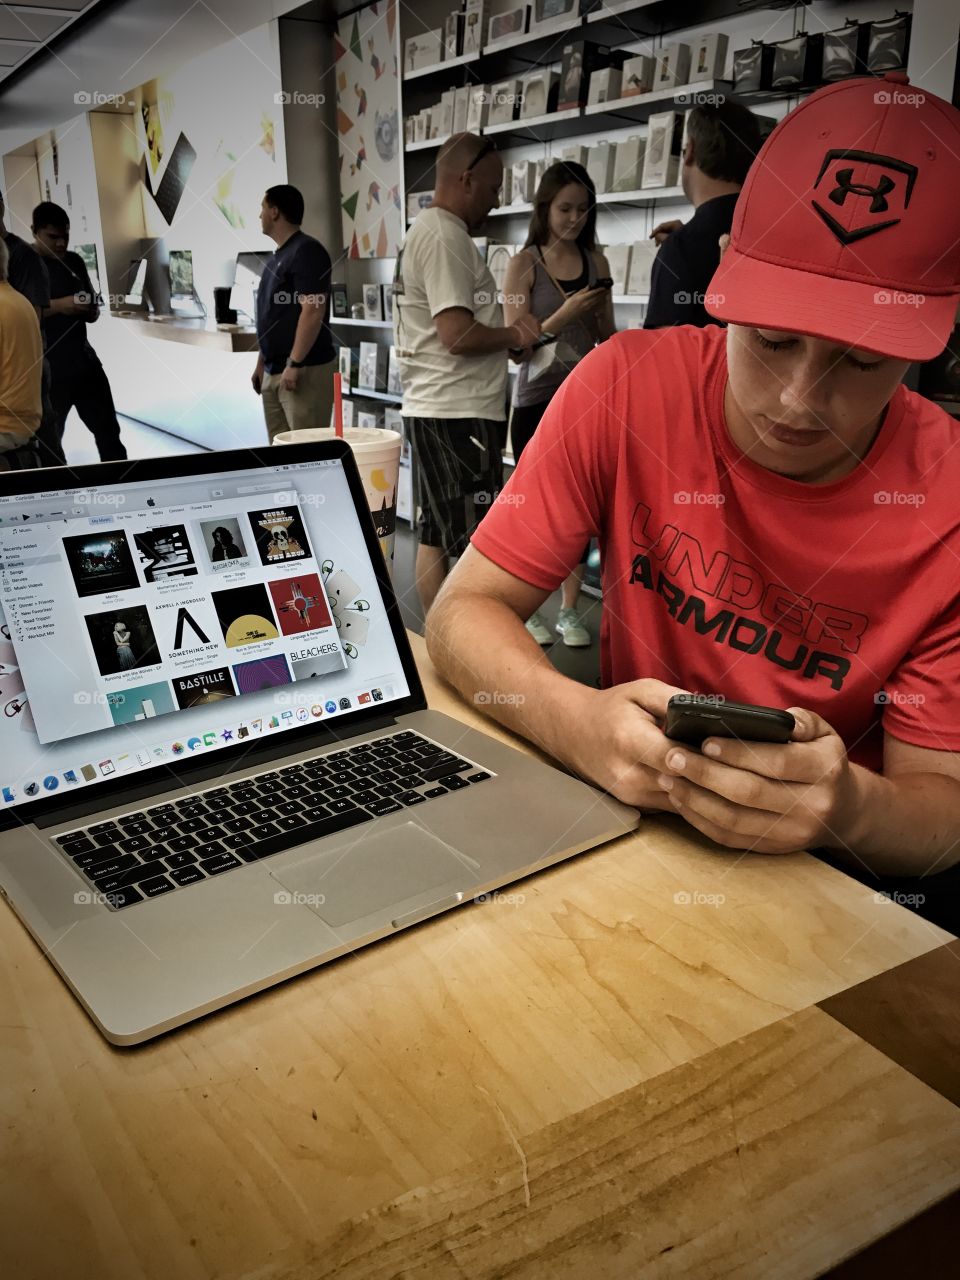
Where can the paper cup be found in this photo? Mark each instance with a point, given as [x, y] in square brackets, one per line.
[377, 452]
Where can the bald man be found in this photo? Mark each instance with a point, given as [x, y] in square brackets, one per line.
[452, 349]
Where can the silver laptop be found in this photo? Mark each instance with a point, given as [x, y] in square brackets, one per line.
[218, 768]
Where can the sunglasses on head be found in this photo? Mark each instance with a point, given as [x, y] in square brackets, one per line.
[485, 150]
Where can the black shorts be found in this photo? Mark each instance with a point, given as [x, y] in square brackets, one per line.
[457, 473]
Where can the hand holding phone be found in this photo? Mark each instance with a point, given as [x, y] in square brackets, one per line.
[692, 717]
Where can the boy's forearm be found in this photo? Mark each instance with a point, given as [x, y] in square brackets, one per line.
[482, 648]
[908, 824]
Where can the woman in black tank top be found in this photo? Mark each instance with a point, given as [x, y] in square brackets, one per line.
[551, 279]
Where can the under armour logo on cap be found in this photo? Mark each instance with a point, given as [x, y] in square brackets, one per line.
[844, 185]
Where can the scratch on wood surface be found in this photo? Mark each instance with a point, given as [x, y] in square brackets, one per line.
[513, 1138]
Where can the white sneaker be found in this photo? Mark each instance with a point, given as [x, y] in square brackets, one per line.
[575, 634]
[539, 630]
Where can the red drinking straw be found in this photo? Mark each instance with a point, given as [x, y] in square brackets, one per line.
[338, 405]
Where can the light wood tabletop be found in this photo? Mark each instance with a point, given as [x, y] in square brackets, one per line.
[657, 1059]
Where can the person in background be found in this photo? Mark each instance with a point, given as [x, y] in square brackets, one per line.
[554, 278]
[294, 373]
[452, 349]
[722, 141]
[21, 364]
[78, 379]
[28, 275]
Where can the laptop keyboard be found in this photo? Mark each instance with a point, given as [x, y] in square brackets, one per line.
[165, 847]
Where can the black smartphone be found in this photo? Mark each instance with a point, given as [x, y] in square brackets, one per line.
[604, 282]
[691, 717]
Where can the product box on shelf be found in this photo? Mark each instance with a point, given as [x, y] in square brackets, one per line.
[752, 67]
[641, 265]
[339, 302]
[845, 51]
[604, 86]
[409, 130]
[797, 62]
[538, 94]
[661, 160]
[474, 14]
[889, 43]
[422, 125]
[575, 153]
[579, 60]
[478, 107]
[636, 76]
[372, 367]
[628, 164]
[672, 65]
[441, 116]
[369, 420]
[461, 104]
[498, 259]
[372, 302]
[600, 165]
[524, 181]
[708, 57]
[506, 187]
[453, 35]
[510, 22]
[347, 364]
[386, 301]
[546, 13]
[618, 256]
[504, 101]
[417, 200]
[423, 50]
[393, 373]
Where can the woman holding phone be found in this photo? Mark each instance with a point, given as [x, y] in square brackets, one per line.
[555, 278]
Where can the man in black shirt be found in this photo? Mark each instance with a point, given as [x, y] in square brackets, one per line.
[294, 373]
[721, 142]
[78, 377]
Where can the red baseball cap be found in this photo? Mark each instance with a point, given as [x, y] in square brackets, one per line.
[846, 227]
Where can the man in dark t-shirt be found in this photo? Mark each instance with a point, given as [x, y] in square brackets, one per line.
[721, 141]
[78, 378]
[294, 372]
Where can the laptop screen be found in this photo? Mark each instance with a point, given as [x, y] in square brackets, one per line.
[151, 621]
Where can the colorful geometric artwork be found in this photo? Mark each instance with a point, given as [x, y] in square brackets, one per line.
[368, 125]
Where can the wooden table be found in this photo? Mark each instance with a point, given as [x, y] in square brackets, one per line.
[655, 1060]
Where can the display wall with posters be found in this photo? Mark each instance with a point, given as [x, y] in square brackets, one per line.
[368, 129]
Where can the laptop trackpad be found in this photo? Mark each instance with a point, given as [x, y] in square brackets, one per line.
[382, 870]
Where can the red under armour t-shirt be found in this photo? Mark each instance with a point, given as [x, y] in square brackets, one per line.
[722, 577]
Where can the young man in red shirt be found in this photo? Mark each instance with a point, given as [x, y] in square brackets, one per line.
[777, 514]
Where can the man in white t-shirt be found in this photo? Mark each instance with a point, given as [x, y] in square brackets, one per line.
[451, 348]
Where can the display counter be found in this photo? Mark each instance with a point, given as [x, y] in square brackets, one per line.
[186, 377]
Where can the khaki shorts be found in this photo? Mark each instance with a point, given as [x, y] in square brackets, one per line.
[309, 406]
